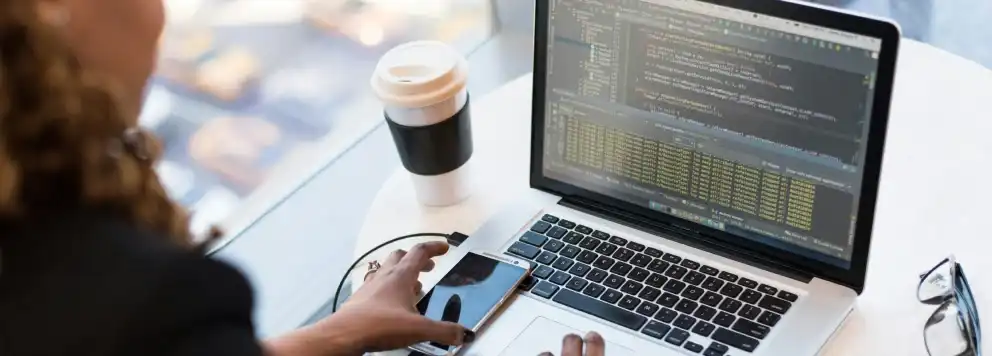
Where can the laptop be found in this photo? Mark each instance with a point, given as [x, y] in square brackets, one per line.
[704, 177]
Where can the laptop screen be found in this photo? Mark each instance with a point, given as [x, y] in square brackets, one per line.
[739, 121]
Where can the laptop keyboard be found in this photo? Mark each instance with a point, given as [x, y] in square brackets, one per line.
[641, 288]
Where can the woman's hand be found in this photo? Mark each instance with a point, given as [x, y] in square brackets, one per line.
[573, 345]
[382, 314]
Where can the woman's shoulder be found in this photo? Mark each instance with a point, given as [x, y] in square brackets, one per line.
[123, 280]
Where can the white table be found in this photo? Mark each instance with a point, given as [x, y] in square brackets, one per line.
[934, 198]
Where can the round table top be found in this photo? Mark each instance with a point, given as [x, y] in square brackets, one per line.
[936, 180]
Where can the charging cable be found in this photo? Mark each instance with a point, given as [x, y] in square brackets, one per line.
[454, 239]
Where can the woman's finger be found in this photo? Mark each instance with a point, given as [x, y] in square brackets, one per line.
[419, 256]
[444, 332]
[428, 266]
[571, 345]
[595, 346]
[394, 258]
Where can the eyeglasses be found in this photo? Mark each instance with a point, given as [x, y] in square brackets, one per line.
[953, 329]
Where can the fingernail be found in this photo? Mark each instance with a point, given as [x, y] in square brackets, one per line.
[468, 336]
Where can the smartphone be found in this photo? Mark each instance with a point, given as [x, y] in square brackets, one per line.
[470, 293]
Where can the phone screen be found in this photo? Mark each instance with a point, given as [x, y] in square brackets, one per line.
[472, 288]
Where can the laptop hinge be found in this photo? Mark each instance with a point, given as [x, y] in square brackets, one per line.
[686, 236]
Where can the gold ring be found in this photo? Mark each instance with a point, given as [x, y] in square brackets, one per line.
[373, 267]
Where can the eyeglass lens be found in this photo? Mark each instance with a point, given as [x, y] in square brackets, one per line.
[944, 333]
[937, 284]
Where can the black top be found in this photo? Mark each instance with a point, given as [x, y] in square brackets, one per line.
[91, 284]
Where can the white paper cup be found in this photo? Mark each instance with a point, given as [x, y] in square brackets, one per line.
[422, 86]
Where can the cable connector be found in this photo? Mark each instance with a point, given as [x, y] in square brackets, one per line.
[456, 239]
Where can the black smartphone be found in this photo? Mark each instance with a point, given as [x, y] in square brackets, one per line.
[470, 293]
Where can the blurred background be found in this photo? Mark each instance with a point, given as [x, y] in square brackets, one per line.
[265, 111]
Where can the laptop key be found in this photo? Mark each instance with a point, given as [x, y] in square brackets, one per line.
[676, 272]
[727, 276]
[692, 346]
[611, 296]
[563, 264]
[649, 294]
[694, 278]
[582, 229]
[623, 254]
[769, 318]
[543, 272]
[767, 289]
[705, 312]
[653, 252]
[621, 268]
[684, 321]
[631, 287]
[656, 330]
[635, 246]
[573, 238]
[686, 306]
[589, 243]
[666, 315]
[735, 339]
[658, 266]
[672, 258]
[594, 290]
[576, 284]
[560, 278]
[546, 258]
[693, 293]
[751, 296]
[703, 328]
[570, 251]
[600, 235]
[724, 319]
[550, 218]
[647, 309]
[690, 264]
[587, 257]
[750, 328]
[601, 310]
[544, 289]
[524, 250]
[618, 240]
[712, 284]
[597, 275]
[713, 352]
[730, 305]
[745, 282]
[711, 299]
[566, 224]
[554, 245]
[731, 290]
[709, 270]
[540, 227]
[677, 337]
[604, 262]
[668, 300]
[640, 260]
[629, 303]
[774, 304]
[556, 232]
[656, 280]
[614, 281]
[639, 274]
[674, 286]
[787, 296]
[580, 270]
[607, 249]
[749, 311]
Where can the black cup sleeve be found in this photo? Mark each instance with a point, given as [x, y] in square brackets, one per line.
[434, 149]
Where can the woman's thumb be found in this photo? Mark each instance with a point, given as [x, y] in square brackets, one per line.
[445, 332]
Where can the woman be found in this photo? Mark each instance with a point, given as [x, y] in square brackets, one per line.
[94, 257]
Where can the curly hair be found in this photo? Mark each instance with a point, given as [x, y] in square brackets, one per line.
[58, 124]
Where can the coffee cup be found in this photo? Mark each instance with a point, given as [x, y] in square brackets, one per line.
[422, 86]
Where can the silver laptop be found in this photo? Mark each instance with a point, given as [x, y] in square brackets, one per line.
[704, 177]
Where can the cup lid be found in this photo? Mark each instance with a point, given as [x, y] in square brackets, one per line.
[419, 74]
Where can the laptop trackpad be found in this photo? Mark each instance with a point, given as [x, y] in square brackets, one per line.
[545, 335]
